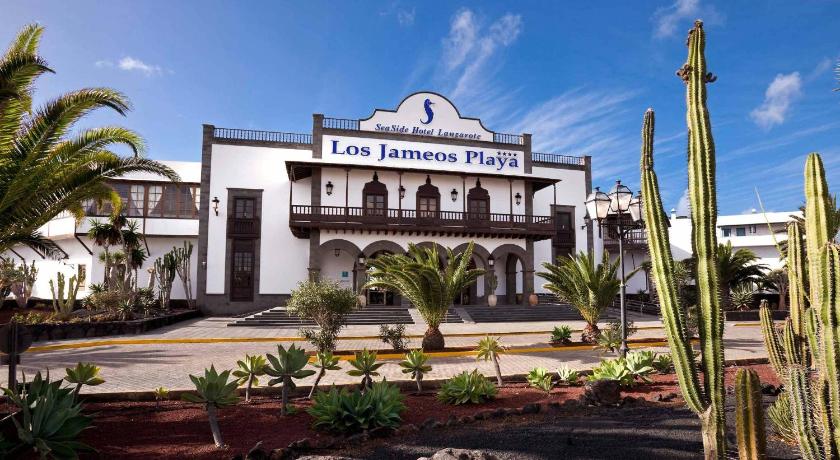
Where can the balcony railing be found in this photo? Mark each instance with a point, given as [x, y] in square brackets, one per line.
[339, 217]
[243, 228]
[632, 239]
[263, 136]
[553, 158]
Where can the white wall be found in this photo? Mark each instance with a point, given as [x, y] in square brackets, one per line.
[284, 258]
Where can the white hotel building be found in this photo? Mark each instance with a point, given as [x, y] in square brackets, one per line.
[278, 208]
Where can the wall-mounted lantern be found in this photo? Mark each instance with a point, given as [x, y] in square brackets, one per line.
[337, 252]
[402, 192]
[518, 198]
[216, 205]
[362, 260]
[491, 261]
[454, 194]
[329, 187]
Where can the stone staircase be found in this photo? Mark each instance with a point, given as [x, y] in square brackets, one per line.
[369, 315]
[518, 313]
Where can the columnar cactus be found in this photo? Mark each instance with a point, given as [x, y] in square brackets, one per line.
[707, 399]
[165, 271]
[64, 306]
[749, 416]
[807, 356]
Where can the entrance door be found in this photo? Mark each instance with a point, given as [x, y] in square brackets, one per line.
[242, 271]
[564, 234]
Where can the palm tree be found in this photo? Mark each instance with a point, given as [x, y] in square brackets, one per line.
[737, 268]
[778, 280]
[44, 169]
[419, 278]
[106, 234]
[588, 287]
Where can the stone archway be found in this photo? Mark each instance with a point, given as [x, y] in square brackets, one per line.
[338, 260]
[382, 245]
[370, 252]
[512, 260]
[441, 250]
[480, 257]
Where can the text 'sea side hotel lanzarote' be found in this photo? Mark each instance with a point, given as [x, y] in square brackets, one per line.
[277, 207]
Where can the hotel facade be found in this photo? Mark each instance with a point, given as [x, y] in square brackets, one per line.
[278, 208]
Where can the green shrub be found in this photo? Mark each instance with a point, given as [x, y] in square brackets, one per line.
[48, 422]
[612, 369]
[567, 375]
[214, 391]
[341, 411]
[327, 304]
[394, 336]
[781, 419]
[365, 366]
[541, 379]
[561, 335]
[664, 364]
[415, 364]
[467, 387]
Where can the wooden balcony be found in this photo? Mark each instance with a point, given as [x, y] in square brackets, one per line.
[302, 218]
[633, 239]
[243, 228]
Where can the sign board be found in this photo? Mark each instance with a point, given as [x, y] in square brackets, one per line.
[426, 114]
[421, 155]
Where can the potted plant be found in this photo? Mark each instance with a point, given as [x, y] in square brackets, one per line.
[533, 299]
[492, 283]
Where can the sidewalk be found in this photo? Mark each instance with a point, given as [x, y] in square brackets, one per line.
[167, 356]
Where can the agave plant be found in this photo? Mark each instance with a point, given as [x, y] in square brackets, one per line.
[420, 279]
[415, 364]
[589, 287]
[324, 361]
[609, 340]
[561, 335]
[249, 372]
[347, 412]
[541, 379]
[489, 349]
[467, 387]
[567, 375]
[83, 374]
[640, 364]
[742, 297]
[48, 167]
[365, 366]
[664, 364]
[48, 422]
[161, 394]
[285, 367]
[214, 391]
[612, 369]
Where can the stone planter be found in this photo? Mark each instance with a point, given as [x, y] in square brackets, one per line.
[362, 300]
[81, 330]
[533, 299]
[492, 299]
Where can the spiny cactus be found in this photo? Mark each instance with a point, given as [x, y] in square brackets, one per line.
[63, 306]
[706, 399]
[165, 272]
[749, 416]
[183, 266]
[807, 355]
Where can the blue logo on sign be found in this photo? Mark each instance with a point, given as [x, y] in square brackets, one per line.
[427, 105]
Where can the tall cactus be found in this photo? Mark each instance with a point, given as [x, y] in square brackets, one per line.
[64, 306]
[807, 356]
[749, 416]
[706, 399]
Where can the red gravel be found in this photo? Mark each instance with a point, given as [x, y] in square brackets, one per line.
[135, 430]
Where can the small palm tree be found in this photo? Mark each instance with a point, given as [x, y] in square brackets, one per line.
[214, 391]
[285, 367]
[365, 366]
[47, 167]
[249, 372]
[324, 361]
[419, 278]
[778, 280]
[489, 348]
[83, 374]
[589, 287]
[415, 364]
[105, 234]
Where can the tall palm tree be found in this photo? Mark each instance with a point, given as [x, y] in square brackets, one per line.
[106, 234]
[737, 268]
[44, 168]
[418, 277]
[589, 287]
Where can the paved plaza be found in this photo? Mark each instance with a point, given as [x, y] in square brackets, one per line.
[166, 357]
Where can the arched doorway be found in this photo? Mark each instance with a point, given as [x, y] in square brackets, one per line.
[514, 269]
[380, 296]
[475, 294]
[338, 260]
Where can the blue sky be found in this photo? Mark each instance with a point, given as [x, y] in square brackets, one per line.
[577, 75]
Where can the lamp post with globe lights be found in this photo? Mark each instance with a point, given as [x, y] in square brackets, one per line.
[618, 203]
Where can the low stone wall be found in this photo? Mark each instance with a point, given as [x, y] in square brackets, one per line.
[752, 315]
[81, 330]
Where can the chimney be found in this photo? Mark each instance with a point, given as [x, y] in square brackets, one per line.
[673, 213]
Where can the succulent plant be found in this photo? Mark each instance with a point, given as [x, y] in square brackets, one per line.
[345, 412]
[467, 388]
[567, 375]
[781, 419]
[561, 335]
[612, 369]
[161, 394]
[608, 340]
[541, 379]
[83, 374]
[324, 361]
[64, 306]
[365, 366]
[489, 348]
[287, 366]
[249, 372]
[640, 364]
[663, 363]
[215, 391]
[415, 364]
[749, 416]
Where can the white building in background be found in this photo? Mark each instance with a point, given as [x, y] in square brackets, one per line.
[167, 214]
[278, 208]
[758, 232]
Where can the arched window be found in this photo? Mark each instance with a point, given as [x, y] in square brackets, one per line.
[375, 196]
[428, 200]
[478, 203]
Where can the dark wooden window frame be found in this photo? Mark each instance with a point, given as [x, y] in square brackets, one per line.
[478, 194]
[375, 188]
[232, 240]
[428, 191]
[167, 188]
[556, 245]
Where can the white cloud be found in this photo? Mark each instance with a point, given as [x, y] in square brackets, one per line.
[470, 46]
[129, 63]
[684, 205]
[783, 90]
[405, 17]
[668, 18]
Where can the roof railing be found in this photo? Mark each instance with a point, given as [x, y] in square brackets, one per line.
[553, 158]
[263, 136]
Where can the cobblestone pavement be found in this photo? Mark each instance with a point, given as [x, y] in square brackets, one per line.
[161, 358]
